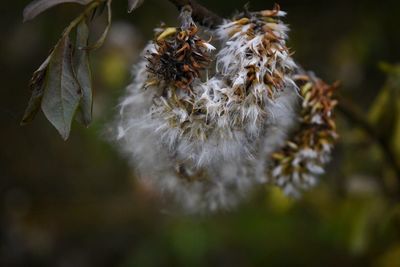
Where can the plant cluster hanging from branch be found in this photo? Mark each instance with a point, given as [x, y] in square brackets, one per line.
[203, 121]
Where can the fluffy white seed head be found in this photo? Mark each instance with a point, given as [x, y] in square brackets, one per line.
[208, 142]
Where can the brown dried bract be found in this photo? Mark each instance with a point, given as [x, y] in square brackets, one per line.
[179, 58]
[314, 135]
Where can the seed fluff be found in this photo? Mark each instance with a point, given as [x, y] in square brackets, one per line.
[207, 125]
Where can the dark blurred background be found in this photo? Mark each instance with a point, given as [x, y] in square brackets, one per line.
[76, 203]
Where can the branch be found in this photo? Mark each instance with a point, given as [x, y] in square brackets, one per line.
[352, 113]
[200, 13]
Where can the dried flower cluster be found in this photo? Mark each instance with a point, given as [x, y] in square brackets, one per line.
[206, 133]
[258, 45]
[179, 58]
[296, 165]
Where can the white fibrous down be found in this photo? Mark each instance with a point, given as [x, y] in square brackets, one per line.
[298, 164]
[207, 136]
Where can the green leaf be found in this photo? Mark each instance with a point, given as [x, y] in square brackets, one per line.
[38, 6]
[62, 94]
[83, 74]
[36, 85]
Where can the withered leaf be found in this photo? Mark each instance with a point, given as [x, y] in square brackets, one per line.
[83, 74]
[36, 85]
[38, 6]
[62, 93]
[99, 43]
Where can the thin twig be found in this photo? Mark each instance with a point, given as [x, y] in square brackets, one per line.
[200, 13]
[352, 113]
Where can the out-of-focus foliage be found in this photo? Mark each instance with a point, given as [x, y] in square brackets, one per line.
[385, 112]
[78, 203]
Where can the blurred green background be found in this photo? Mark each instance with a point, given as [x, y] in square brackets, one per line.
[76, 203]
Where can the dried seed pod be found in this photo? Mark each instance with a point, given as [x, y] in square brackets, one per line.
[169, 136]
[256, 67]
[256, 52]
[297, 164]
[180, 55]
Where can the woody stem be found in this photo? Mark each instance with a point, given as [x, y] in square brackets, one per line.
[200, 14]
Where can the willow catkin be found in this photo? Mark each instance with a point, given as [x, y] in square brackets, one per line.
[208, 136]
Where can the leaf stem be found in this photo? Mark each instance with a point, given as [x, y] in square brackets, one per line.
[89, 8]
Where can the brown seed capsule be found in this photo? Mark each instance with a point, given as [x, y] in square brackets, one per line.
[180, 57]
